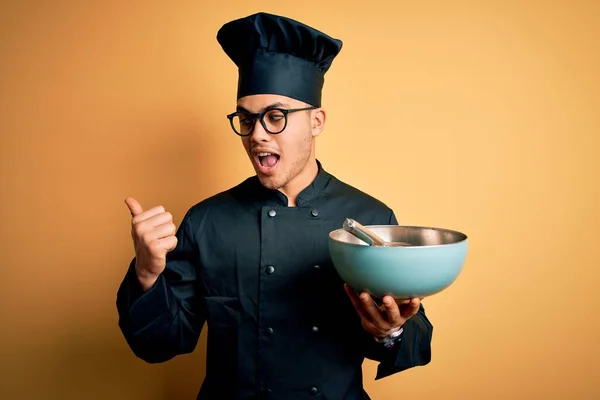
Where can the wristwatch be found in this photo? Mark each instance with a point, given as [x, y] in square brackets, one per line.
[391, 339]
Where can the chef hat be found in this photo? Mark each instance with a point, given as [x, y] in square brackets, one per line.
[278, 55]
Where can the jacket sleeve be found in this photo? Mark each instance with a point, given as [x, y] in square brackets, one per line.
[166, 320]
[414, 348]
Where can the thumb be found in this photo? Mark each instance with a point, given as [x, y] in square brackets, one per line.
[134, 206]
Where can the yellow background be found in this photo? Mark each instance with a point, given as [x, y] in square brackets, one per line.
[481, 116]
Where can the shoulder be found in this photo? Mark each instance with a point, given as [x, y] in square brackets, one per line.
[220, 202]
[358, 201]
[351, 192]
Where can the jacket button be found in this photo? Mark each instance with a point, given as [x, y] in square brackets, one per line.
[317, 267]
[314, 213]
[315, 329]
[314, 391]
[272, 213]
[265, 391]
[270, 269]
[269, 331]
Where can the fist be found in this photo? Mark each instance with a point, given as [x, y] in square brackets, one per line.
[153, 234]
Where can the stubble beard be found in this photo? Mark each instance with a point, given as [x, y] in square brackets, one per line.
[296, 168]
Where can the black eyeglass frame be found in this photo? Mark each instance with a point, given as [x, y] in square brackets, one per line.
[260, 116]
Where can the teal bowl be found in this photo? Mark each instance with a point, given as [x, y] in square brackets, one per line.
[431, 263]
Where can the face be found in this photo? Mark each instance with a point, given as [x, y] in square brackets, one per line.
[282, 159]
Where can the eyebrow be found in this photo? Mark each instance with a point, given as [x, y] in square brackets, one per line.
[270, 106]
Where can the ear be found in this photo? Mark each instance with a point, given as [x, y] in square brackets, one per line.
[318, 121]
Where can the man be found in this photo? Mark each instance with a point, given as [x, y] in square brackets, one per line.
[253, 262]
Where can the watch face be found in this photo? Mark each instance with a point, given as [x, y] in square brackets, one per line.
[391, 343]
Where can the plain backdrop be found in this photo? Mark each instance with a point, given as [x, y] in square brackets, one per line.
[478, 116]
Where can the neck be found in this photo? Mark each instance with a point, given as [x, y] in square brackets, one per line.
[300, 182]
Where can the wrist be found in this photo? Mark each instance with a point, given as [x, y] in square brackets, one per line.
[390, 339]
[391, 333]
[146, 279]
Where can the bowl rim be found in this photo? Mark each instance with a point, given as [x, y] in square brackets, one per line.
[466, 237]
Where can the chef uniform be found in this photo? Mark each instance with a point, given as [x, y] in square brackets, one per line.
[257, 272]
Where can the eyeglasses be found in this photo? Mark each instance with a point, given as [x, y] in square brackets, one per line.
[273, 120]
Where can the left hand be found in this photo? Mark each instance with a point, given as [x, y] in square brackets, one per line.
[384, 320]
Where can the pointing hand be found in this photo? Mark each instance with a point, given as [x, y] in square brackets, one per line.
[153, 234]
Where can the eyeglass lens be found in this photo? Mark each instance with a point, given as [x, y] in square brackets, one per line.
[274, 122]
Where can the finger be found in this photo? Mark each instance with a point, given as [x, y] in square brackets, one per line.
[407, 301]
[155, 220]
[411, 309]
[353, 297]
[169, 243]
[374, 314]
[160, 232]
[392, 310]
[160, 247]
[149, 214]
[358, 305]
[134, 206]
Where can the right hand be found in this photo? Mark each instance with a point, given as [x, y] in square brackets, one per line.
[153, 234]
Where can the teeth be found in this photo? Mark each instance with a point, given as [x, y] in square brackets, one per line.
[264, 154]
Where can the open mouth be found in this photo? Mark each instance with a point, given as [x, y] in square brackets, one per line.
[267, 162]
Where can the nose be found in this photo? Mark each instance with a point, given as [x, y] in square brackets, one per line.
[259, 134]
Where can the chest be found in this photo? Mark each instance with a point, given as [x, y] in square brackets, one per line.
[287, 244]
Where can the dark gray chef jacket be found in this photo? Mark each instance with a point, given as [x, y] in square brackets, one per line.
[258, 273]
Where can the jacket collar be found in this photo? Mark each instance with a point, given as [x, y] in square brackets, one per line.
[315, 189]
